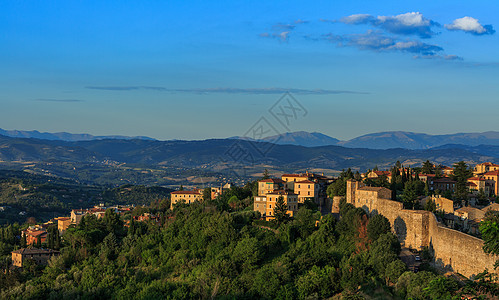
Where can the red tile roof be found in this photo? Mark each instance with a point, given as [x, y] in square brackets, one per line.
[305, 181]
[273, 180]
[476, 179]
[492, 173]
[186, 192]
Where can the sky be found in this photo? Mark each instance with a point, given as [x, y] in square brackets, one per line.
[214, 69]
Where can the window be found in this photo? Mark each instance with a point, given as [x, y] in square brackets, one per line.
[298, 186]
[309, 186]
[270, 206]
[309, 193]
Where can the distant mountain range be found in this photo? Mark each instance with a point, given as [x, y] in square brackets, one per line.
[387, 140]
[219, 155]
[65, 136]
[380, 140]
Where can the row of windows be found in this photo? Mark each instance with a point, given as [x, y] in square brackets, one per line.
[290, 207]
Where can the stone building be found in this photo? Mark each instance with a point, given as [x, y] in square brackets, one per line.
[484, 168]
[451, 250]
[39, 256]
[187, 196]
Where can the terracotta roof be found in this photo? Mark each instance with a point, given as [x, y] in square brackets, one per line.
[489, 164]
[492, 173]
[291, 175]
[427, 175]
[273, 180]
[186, 192]
[63, 219]
[383, 172]
[467, 209]
[36, 233]
[476, 179]
[305, 181]
[471, 184]
[35, 251]
[493, 206]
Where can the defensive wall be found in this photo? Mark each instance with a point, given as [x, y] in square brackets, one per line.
[452, 250]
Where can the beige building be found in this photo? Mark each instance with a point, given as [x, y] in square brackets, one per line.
[266, 186]
[469, 218]
[475, 184]
[260, 205]
[442, 204]
[187, 196]
[306, 190]
[63, 224]
[379, 174]
[39, 256]
[361, 195]
[493, 176]
[290, 199]
[485, 167]
[448, 171]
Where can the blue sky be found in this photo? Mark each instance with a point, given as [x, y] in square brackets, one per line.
[202, 69]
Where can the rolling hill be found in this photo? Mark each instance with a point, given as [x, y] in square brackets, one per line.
[219, 155]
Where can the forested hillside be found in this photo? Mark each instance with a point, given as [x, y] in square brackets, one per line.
[211, 251]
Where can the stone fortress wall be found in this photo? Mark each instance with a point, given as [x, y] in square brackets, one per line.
[452, 250]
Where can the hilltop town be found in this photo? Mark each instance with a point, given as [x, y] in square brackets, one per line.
[434, 214]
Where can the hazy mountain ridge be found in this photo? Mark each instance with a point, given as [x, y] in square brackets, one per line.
[379, 140]
[64, 136]
[389, 140]
[214, 155]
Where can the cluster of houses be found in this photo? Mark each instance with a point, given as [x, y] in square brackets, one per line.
[485, 179]
[466, 219]
[35, 234]
[294, 189]
[196, 194]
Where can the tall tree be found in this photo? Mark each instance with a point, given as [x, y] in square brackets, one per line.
[409, 196]
[280, 211]
[489, 228]
[427, 168]
[461, 175]
[207, 194]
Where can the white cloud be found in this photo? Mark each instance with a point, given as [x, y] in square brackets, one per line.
[470, 25]
[411, 23]
[412, 19]
[356, 19]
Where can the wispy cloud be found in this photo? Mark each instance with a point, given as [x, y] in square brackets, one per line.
[300, 21]
[411, 23]
[58, 100]
[255, 91]
[376, 41]
[282, 31]
[283, 27]
[470, 25]
[282, 36]
[436, 56]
